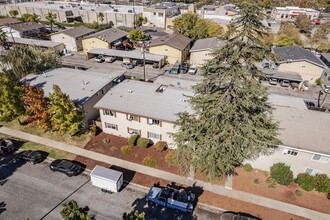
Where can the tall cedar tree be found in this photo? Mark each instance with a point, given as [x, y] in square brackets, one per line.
[36, 107]
[232, 118]
[65, 117]
[11, 91]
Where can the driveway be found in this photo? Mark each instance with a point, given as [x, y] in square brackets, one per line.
[35, 192]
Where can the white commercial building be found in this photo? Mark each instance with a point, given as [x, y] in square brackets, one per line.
[290, 13]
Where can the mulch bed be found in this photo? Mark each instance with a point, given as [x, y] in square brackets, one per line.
[244, 181]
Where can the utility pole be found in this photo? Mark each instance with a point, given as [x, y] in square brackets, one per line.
[144, 61]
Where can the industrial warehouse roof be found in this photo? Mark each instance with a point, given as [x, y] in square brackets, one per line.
[146, 99]
[134, 54]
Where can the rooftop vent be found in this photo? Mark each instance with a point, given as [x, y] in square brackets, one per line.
[161, 88]
[183, 100]
[129, 91]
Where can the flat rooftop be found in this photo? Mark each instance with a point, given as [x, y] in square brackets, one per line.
[141, 98]
[67, 6]
[80, 85]
[178, 82]
[34, 42]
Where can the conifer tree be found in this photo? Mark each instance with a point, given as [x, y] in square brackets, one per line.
[65, 117]
[11, 91]
[232, 119]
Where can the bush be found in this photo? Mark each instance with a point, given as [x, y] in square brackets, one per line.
[106, 140]
[170, 158]
[281, 173]
[143, 142]
[247, 167]
[318, 81]
[133, 139]
[271, 182]
[322, 183]
[298, 193]
[328, 196]
[160, 146]
[305, 181]
[256, 181]
[127, 150]
[149, 161]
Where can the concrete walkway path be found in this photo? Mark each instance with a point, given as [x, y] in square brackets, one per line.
[217, 189]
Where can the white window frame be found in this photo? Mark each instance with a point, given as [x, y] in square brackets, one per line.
[154, 135]
[314, 171]
[321, 156]
[110, 126]
[152, 121]
[134, 131]
[111, 113]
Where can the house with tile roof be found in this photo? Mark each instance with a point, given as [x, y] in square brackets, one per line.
[72, 38]
[298, 60]
[111, 38]
[175, 47]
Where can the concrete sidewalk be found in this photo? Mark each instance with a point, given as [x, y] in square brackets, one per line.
[217, 189]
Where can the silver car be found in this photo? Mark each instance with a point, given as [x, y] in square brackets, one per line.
[273, 81]
[127, 65]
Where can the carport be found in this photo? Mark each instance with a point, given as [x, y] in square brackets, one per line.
[292, 77]
[127, 55]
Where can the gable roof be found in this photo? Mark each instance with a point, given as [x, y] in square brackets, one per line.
[5, 21]
[176, 41]
[77, 31]
[207, 44]
[128, 95]
[293, 53]
[26, 26]
[109, 35]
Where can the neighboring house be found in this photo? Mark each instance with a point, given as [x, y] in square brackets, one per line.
[68, 12]
[72, 38]
[147, 109]
[157, 14]
[298, 60]
[41, 44]
[23, 30]
[290, 13]
[325, 57]
[304, 134]
[202, 50]
[84, 87]
[112, 38]
[175, 47]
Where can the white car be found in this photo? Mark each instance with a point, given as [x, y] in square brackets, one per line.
[192, 70]
[99, 59]
[273, 81]
[110, 59]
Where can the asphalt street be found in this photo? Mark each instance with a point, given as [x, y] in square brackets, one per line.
[35, 192]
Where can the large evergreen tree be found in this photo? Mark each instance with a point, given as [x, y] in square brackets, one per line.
[11, 91]
[232, 119]
[65, 117]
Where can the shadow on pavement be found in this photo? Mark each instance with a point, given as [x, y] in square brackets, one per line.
[240, 215]
[2, 207]
[128, 175]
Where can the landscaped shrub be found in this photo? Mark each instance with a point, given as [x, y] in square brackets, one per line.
[256, 181]
[322, 183]
[106, 140]
[133, 139]
[127, 150]
[271, 182]
[298, 193]
[149, 161]
[170, 158]
[318, 81]
[305, 181]
[160, 146]
[143, 142]
[247, 167]
[281, 173]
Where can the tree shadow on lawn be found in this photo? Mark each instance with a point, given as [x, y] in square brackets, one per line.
[128, 175]
[153, 211]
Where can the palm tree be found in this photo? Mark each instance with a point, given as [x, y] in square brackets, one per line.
[52, 19]
[13, 13]
[3, 38]
[72, 211]
[101, 17]
[34, 18]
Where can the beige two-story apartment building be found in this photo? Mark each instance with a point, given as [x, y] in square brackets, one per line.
[147, 109]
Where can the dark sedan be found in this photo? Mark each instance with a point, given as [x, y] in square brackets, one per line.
[31, 156]
[6, 146]
[70, 168]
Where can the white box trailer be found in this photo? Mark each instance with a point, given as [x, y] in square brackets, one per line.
[107, 179]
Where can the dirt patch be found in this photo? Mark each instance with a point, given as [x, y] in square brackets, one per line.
[246, 181]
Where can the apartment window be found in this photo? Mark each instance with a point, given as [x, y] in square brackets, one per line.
[290, 152]
[303, 66]
[133, 118]
[282, 16]
[154, 136]
[109, 112]
[166, 49]
[286, 16]
[160, 14]
[320, 158]
[154, 13]
[133, 131]
[311, 171]
[111, 126]
[154, 122]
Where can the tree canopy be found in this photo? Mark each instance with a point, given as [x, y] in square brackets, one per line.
[231, 119]
[303, 23]
[137, 35]
[288, 35]
[72, 211]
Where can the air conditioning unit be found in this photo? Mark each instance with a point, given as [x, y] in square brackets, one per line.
[131, 132]
[130, 117]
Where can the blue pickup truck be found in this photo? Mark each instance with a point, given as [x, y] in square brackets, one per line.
[172, 198]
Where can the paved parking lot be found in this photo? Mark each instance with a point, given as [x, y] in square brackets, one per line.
[34, 191]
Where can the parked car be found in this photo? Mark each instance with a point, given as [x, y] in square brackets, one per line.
[99, 59]
[127, 65]
[70, 168]
[155, 65]
[110, 59]
[171, 198]
[285, 83]
[273, 81]
[31, 156]
[184, 68]
[137, 62]
[6, 146]
[192, 70]
[175, 69]
[309, 104]
[237, 216]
